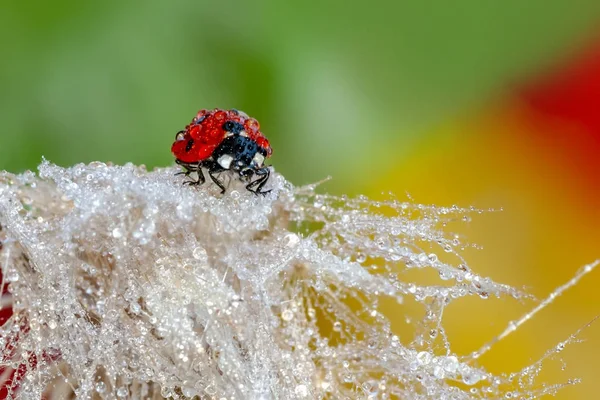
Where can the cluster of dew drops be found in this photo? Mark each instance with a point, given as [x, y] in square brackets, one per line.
[123, 282]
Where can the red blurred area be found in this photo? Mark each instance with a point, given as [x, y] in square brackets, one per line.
[11, 378]
[564, 107]
[6, 375]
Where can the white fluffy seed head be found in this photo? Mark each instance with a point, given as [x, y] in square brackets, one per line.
[127, 283]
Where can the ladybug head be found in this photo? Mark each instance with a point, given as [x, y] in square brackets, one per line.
[233, 127]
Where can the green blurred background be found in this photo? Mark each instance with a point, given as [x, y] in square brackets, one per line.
[339, 87]
[382, 95]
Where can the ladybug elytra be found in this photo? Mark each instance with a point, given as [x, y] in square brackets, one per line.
[222, 140]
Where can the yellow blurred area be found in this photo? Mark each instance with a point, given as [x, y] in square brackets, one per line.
[544, 233]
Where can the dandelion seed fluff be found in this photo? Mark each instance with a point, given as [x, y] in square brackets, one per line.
[127, 284]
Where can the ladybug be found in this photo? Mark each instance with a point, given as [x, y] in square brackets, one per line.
[224, 140]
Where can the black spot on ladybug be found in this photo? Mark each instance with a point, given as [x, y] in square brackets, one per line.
[189, 145]
[233, 127]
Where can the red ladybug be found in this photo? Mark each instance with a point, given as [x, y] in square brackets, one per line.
[221, 140]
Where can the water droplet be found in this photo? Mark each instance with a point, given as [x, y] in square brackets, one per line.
[188, 392]
[337, 326]
[450, 363]
[117, 233]
[100, 387]
[52, 324]
[424, 358]
[210, 390]
[287, 315]
[446, 275]
[122, 392]
[438, 372]
[12, 275]
[291, 240]
[301, 390]
[166, 392]
[135, 308]
[471, 378]
[199, 253]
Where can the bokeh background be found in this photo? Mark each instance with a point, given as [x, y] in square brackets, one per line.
[468, 102]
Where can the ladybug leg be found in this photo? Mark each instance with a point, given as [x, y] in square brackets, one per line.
[189, 168]
[201, 178]
[215, 168]
[246, 175]
[216, 181]
[257, 185]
